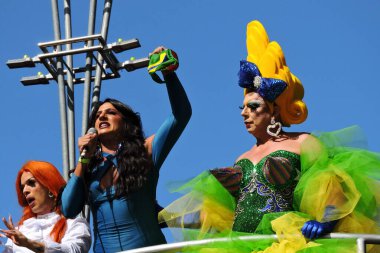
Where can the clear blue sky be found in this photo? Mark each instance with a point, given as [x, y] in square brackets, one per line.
[332, 46]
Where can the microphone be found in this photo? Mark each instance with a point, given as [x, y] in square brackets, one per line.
[91, 130]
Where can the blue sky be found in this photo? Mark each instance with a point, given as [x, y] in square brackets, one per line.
[332, 46]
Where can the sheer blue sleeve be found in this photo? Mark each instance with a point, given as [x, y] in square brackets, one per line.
[169, 132]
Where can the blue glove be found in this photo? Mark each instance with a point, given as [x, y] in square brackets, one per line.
[313, 229]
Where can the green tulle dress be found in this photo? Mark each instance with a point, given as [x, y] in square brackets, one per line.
[333, 170]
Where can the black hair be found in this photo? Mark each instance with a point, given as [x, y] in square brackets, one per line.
[133, 160]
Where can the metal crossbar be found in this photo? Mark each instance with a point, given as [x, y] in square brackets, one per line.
[110, 69]
[56, 57]
[361, 241]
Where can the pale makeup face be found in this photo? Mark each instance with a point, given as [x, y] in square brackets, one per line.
[256, 114]
[36, 195]
[109, 121]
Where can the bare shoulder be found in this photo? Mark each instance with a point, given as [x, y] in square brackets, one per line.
[302, 137]
[298, 137]
[303, 142]
[311, 142]
[291, 141]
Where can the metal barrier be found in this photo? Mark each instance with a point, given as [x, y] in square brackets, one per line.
[361, 241]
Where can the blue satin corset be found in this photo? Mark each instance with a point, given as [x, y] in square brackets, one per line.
[265, 187]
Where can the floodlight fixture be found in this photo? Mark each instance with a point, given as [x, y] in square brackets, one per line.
[132, 65]
[34, 80]
[25, 62]
[121, 45]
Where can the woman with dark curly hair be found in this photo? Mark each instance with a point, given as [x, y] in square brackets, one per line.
[119, 172]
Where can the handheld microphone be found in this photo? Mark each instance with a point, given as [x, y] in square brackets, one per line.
[91, 130]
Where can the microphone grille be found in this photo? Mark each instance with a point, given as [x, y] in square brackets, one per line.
[92, 130]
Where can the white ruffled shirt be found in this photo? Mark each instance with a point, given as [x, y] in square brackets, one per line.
[76, 239]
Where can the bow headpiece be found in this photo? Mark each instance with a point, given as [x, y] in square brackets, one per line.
[251, 78]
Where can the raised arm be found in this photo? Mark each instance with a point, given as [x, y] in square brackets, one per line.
[171, 129]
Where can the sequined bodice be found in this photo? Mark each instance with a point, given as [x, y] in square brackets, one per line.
[265, 188]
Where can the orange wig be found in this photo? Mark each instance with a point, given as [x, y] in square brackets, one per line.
[48, 176]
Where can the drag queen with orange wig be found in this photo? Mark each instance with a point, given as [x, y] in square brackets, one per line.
[42, 227]
[297, 185]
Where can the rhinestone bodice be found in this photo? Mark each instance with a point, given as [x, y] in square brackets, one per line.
[265, 188]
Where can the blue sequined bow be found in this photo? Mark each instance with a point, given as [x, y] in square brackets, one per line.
[250, 77]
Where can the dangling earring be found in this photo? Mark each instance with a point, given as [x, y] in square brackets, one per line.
[271, 128]
[120, 148]
[51, 195]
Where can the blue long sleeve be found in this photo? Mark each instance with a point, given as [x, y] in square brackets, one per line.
[171, 129]
[73, 197]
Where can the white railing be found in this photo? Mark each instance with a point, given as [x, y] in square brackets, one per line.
[361, 241]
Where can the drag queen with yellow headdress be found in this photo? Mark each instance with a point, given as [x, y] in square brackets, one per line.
[297, 185]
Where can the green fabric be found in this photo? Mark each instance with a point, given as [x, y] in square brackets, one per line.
[340, 151]
[265, 226]
[332, 245]
[164, 61]
[206, 185]
[232, 246]
[155, 63]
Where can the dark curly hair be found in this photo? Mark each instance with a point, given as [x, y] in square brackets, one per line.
[133, 160]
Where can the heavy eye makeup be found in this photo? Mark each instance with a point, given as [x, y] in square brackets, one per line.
[31, 182]
[253, 105]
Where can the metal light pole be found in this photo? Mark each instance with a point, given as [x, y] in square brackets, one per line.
[57, 58]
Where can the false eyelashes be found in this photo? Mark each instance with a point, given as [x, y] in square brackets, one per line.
[253, 105]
